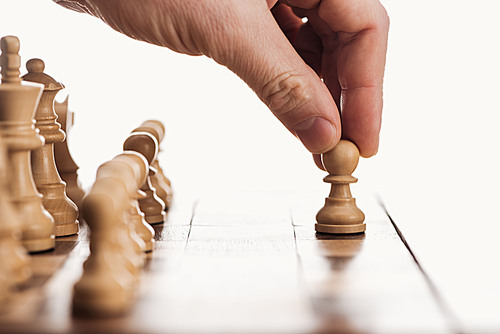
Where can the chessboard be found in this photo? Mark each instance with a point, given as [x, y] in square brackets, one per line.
[130, 255]
[247, 263]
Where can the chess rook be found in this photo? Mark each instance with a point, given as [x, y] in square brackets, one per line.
[66, 166]
[151, 205]
[18, 102]
[340, 215]
[159, 181]
[45, 173]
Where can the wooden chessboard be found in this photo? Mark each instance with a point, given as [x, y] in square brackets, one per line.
[248, 263]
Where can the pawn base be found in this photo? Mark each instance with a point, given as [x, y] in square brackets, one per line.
[340, 229]
[21, 276]
[149, 246]
[39, 245]
[156, 219]
[62, 230]
[101, 308]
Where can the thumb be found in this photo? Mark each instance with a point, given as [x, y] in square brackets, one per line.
[244, 36]
[257, 50]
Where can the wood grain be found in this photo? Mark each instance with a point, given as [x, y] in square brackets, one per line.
[247, 264]
[455, 240]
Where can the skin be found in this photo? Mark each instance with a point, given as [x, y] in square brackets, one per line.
[322, 79]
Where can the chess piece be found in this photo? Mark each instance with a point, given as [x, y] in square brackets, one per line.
[106, 287]
[18, 102]
[131, 244]
[340, 215]
[140, 168]
[45, 174]
[159, 181]
[15, 262]
[147, 145]
[5, 291]
[67, 167]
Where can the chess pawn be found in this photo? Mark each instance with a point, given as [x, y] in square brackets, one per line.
[134, 216]
[159, 181]
[120, 173]
[45, 174]
[106, 287]
[18, 102]
[147, 145]
[14, 257]
[67, 167]
[340, 215]
[5, 292]
[15, 261]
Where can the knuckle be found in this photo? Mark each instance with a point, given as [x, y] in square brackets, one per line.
[285, 93]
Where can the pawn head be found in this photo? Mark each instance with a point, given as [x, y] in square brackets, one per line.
[143, 143]
[36, 68]
[158, 125]
[138, 163]
[119, 171]
[342, 159]
[35, 65]
[154, 127]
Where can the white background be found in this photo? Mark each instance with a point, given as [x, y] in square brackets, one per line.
[437, 168]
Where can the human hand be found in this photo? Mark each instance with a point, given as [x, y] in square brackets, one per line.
[304, 72]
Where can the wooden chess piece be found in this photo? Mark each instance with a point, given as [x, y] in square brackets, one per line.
[18, 102]
[147, 145]
[131, 244]
[340, 215]
[45, 174]
[106, 287]
[159, 181]
[67, 167]
[140, 169]
[5, 292]
[15, 260]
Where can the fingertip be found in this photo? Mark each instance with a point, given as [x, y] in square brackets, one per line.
[318, 161]
[368, 147]
[368, 152]
[317, 134]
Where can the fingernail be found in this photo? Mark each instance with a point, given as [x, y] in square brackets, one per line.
[317, 134]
